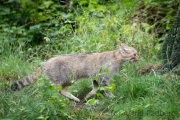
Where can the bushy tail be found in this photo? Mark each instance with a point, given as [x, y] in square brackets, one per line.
[27, 80]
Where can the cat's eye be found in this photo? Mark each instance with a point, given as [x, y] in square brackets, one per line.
[136, 54]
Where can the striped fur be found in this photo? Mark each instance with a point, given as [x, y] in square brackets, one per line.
[28, 80]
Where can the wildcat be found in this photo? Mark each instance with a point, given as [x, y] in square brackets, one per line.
[61, 70]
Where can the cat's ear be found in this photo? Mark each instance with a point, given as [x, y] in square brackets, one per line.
[123, 45]
[122, 51]
[122, 48]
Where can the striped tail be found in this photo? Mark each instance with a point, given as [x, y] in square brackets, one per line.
[27, 80]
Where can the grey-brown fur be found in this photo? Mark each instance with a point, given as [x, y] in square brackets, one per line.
[62, 69]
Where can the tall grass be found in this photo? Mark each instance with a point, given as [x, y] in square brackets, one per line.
[138, 97]
[146, 97]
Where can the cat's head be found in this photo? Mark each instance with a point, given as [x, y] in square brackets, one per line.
[128, 53]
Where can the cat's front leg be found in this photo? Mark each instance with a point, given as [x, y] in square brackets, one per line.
[108, 94]
[104, 81]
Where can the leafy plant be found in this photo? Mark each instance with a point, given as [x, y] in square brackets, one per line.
[33, 31]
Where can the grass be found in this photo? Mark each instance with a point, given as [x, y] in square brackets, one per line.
[146, 97]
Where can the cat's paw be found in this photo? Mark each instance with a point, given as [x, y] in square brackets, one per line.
[109, 94]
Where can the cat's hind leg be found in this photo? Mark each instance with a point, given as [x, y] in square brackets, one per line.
[93, 91]
[66, 93]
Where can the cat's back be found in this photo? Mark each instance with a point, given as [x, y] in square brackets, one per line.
[66, 59]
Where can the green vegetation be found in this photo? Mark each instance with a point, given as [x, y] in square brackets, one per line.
[30, 36]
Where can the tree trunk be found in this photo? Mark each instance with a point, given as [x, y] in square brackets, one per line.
[171, 47]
